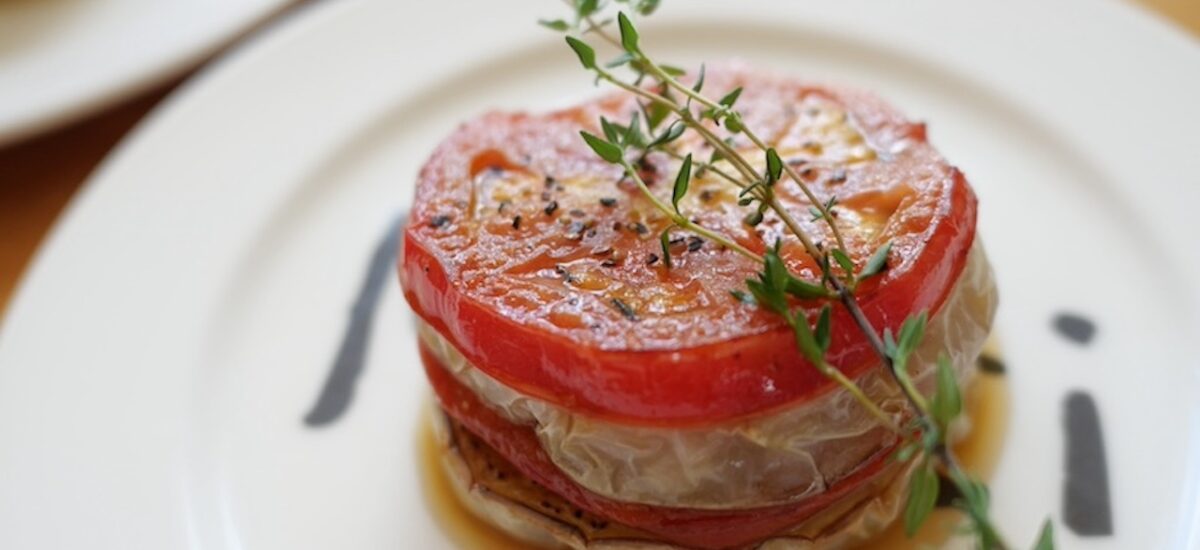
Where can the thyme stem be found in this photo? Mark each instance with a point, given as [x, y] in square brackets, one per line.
[933, 419]
[851, 304]
[683, 222]
[850, 386]
[710, 167]
[753, 137]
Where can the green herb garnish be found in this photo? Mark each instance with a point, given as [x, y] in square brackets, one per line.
[684, 108]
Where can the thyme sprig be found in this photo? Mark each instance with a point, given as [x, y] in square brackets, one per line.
[671, 108]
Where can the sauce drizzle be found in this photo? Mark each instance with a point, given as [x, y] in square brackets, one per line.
[338, 391]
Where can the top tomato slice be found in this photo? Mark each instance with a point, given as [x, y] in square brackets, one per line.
[541, 264]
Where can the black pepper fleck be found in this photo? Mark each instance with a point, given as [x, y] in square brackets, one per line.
[608, 202]
[566, 275]
[550, 208]
[653, 259]
[695, 243]
[575, 231]
[516, 222]
[439, 222]
[577, 213]
[625, 309]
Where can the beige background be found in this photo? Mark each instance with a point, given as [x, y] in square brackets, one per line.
[40, 175]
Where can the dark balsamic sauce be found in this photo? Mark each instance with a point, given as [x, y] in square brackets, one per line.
[1075, 328]
[1087, 507]
[990, 364]
[1087, 502]
[338, 391]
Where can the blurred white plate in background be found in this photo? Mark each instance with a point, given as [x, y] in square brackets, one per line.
[158, 362]
[61, 59]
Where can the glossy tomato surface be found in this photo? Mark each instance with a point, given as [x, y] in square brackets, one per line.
[540, 262]
[709, 529]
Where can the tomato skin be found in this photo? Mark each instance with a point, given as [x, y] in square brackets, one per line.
[749, 369]
[706, 529]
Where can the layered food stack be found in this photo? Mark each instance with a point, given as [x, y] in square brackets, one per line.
[592, 393]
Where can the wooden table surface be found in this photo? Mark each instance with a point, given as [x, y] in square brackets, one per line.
[39, 176]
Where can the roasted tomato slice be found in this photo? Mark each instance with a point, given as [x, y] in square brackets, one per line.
[688, 527]
[541, 264]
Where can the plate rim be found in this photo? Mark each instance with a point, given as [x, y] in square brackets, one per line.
[166, 60]
[44, 280]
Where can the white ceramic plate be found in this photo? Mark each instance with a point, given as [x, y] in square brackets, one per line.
[159, 360]
[60, 59]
